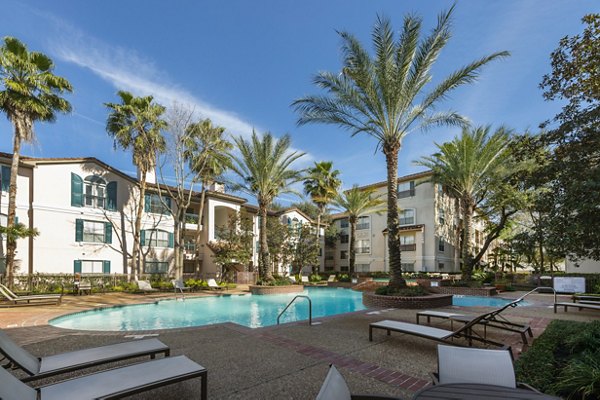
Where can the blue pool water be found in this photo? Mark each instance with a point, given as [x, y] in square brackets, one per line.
[474, 301]
[248, 310]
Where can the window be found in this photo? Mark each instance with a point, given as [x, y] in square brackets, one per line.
[407, 217]
[93, 231]
[344, 223]
[329, 256]
[344, 238]
[5, 178]
[407, 243]
[156, 238]
[441, 245]
[440, 189]
[344, 255]
[362, 267]
[363, 222]
[189, 245]
[408, 267]
[406, 189]
[91, 266]
[363, 246]
[440, 265]
[441, 215]
[344, 268]
[156, 267]
[95, 191]
[153, 204]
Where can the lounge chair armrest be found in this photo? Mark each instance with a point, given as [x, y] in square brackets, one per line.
[372, 397]
[522, 385]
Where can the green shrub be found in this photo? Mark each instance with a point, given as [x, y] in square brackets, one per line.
[564, 360]
[344, 278]
[315, 278]
[409, 291]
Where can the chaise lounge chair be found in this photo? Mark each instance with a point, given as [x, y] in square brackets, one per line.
[440, 335]
[331, 278]
[480, 366]
[145, 286]
[335, 388]
[212, 284]
[111, 384]
[305, 279]
[41, 367]
[498, 321]
[29, 300]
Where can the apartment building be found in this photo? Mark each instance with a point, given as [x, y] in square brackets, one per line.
[84, 210]
[428, 223]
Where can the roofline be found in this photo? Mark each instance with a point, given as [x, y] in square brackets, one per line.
[416, 175]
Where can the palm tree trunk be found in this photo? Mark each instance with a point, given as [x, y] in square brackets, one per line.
[11, 242]
[394, 252]
[136, 254]
[466, 249]
[457, 234]
[199, 228]
[264, 265]
[351, 250]
[178, 245]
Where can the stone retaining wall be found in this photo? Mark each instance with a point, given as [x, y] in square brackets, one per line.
[468, 291]
[340, 284]
[276, 289]
[371, 299]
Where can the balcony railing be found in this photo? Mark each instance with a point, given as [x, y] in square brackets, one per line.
[363, 226]
[406, 193]
[191, 218]
[363, 250]
[408, 247]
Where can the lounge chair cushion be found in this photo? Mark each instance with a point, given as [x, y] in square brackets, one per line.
[18, 355]
[334, 387]
[421, 330]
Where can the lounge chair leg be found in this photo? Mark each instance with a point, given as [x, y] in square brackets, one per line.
[152, 356]
[389, 332]
[204, 386]
[370, 333]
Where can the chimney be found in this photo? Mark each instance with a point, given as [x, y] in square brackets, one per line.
[150, 176]
[217, 187]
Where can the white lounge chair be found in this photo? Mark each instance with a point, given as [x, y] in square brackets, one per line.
[179, 285]
[212, 284]
[145, 286]
[473, 365]
[292, 278]
[305, 279]
[331, 278]
[31, 299]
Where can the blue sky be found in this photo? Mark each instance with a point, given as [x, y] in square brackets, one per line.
[241, 63]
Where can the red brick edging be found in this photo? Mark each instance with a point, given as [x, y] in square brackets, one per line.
[371, 299]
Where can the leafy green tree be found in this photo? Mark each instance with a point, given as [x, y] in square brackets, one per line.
[384, 97]
[29, 93]
[208, 156]
[468, 167]
[135, 124]
[307, 207]
[304, 247]
[355, 202]
[278, 235]
[571, 173]
[264, 167]
[234, 247]
[322, 185]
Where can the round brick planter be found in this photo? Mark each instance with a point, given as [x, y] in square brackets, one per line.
[370, 299]
[276, 289]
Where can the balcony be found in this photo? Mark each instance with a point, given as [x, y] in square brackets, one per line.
[363, 250]
[191, 221]
[363, 226]
[408, 247]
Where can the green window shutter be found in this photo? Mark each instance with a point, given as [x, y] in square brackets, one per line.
[76, 190]
[143, 237]
[77, 266]
[167, 205]
[111, 196]
[106, 267]
[79, 230]
[107, 232]
[171, 240]
[5, 178]
[147, 203]
[16, 220]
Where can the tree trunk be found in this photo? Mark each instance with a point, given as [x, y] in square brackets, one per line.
[457, 234]
[11, 242]
[199, 228]
[319, 241]
[264, 265]
[178, 245]
[136, 254]
[394, 252]
[468, 209]
[351, 249]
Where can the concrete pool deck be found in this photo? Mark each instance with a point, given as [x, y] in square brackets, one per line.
[281, 362]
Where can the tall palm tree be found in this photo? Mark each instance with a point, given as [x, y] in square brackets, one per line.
[322, 185]
[355, 202]
[209, 157]
[29, 92]
[135, 124]
[465, 166]
[384, 97]
[265, 168]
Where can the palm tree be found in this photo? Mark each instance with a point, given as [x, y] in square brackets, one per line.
[264, 167]
[29, 92]
[208, 156]
[384, 97]
[135, 124]
[355, 202]
[322, 185]
[464, 166]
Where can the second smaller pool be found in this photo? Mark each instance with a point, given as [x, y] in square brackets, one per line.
[480, 301]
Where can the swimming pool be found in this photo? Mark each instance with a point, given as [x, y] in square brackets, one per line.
[251, 311]
[480, 301]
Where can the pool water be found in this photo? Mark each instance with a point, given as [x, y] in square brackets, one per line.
[480, 301]
[251, 311]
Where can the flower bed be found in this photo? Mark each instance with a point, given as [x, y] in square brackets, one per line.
[255, 289]
[370, 299]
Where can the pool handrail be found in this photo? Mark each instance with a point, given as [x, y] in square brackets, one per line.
[290, 303]
[535, 290]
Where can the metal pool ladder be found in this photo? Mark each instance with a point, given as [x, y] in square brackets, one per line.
[290, 303]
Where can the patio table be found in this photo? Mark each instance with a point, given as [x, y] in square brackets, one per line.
[475, 391]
